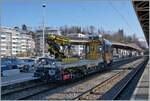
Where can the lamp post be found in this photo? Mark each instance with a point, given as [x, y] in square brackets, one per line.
[44, 5]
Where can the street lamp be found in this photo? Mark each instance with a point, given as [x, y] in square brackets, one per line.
[44, 5]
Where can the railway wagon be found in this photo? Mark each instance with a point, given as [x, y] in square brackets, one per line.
[98, 54]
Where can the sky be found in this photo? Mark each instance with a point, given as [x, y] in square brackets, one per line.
[109, 15]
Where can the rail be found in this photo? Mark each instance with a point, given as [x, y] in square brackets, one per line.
[114, 92]
[104, 83]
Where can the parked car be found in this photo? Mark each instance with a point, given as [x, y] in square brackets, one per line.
[23, 66]
[7, 64]
[29, 62]
[14, 63]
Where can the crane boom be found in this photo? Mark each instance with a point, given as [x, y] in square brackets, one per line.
[54, 42]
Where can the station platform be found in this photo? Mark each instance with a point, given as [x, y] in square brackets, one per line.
[18, 78]
[142, 90]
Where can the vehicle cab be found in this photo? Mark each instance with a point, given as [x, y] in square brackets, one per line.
[47, 69]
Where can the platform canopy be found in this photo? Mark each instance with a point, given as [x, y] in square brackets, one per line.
[131, 46]
[142, 11]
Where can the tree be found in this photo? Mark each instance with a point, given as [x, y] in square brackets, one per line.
[78, 29]
[108, 36]
[85, 30]
[118, 36]
[135, 40]
[24, 27]
[16, 27]
[99, 31]
[128, 39]
[92, 29]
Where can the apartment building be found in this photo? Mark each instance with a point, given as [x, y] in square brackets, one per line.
[13, 42]
[27, 44]
[9, 42]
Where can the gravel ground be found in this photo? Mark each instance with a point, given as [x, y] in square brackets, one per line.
[72, 90]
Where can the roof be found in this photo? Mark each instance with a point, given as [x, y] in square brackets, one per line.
[130, 46]
[142, 12]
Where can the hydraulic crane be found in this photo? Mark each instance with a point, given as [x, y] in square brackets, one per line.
[54, 42]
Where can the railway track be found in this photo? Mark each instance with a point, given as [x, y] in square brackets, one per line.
[18, 87]
[124, 88]
[79, 90]
[110, 89]
[34, 90]
[22, 93]
[75, 87]
[75, 90]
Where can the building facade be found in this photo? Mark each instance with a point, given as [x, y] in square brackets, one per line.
[5, 46]
[27, 44]
[14, 42]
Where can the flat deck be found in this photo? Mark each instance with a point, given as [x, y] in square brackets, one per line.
[142, 90]
[74, 64]
[18, 78]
